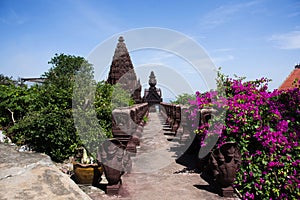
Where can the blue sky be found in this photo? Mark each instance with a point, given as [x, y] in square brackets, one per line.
[248, 38]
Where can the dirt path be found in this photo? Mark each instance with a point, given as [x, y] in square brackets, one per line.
[156, 175]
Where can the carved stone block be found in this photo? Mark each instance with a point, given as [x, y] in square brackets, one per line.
[227, 192]
[113, 189]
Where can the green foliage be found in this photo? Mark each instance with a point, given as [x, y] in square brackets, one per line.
[184, 99]
[87, 124]
[49, 130]
[94, 121]
[63, 72]
[145, 119]
[14, 102]
[107, 98]
[67, 111]
[48, 125]
[5, 80]
[104, 107]
[120, 97]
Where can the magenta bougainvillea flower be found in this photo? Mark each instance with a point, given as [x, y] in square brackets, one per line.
[266, 126]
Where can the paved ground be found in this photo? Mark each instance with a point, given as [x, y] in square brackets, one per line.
[156, 175]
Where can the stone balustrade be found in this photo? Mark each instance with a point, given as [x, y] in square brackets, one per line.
[172, 113]
[127, 124]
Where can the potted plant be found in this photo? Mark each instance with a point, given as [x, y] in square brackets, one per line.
[86, 171]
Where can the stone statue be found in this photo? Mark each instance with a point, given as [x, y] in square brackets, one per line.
[115, 161]
[224, 163]
[152, 79]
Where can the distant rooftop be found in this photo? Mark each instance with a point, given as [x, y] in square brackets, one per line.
[289, 81]
[35, 80]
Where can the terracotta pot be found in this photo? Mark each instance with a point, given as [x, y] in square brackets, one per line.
[87, 173]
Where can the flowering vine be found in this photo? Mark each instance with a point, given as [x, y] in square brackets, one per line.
[266, 126]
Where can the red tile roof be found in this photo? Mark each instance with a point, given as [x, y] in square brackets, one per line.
[288, 83]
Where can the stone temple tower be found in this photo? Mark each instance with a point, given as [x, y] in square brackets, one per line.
[122, 72]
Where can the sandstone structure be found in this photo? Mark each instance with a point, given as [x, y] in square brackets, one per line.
[33, 176]
[122, 72]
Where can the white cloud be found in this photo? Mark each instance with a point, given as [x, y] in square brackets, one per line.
[223, 13]
[221, 59]
[100, 18]
[223, 50]
[290, 40]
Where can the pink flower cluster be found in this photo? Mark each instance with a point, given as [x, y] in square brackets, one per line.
[266, 126]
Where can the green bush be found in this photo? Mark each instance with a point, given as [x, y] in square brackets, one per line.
[48, 131]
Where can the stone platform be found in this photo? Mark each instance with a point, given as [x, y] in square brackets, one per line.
[33, 176]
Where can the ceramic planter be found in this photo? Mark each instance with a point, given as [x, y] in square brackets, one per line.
[88, 174]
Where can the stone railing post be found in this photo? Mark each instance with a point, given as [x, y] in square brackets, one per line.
[115, 161]
[126, 121]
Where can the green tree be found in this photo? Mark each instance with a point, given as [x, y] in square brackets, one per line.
[5, 80]
[184, 99]
[92, 106]
[49, 126]
[14, 102]
[107, 98]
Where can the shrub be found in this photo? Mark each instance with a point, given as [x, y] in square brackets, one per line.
[265, 126]
[48, 131]
[184, 99]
